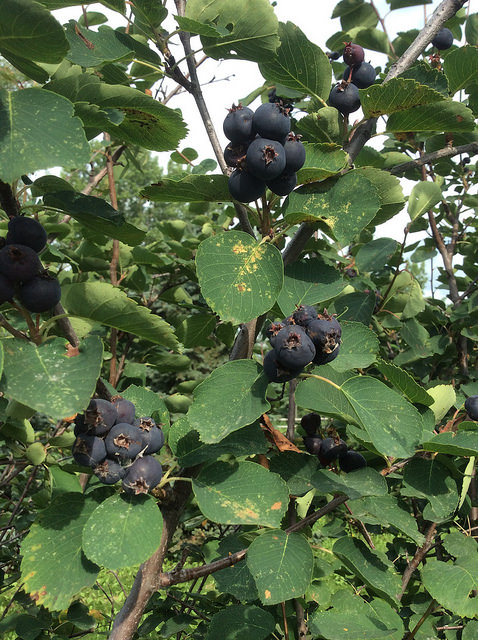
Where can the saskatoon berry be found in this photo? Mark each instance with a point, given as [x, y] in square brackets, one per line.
[271, 120]
[304, 314]
[234, 153]
[345, 98]
[28, 232]
[19, 263]
[362, 76]
[245, 187]
[40, 294]
[334, 55]
[443, 39]
[310, 423]
[325, 333]
[471, 407]
[312, 444]
[88, 451]
[294, 348]
[331, 448]
[124, 440]
[143, 475]
[324, 358]
[7, 290]
[100, 416]
[353, 54]
[283, 184]
[275, 371]
[351, 461]
[152, 435]
[265, 158]
[294, 153]
[125, 410]
[273, 330]
[238, 124]
[109, 472]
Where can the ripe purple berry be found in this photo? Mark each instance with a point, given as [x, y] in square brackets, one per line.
[283, 184]
[304, 314]
[351, 461]
[271, 120]
[124, 440]
[19, 263]
[330, 449]
[294, 348]
[471, 407]
[40, 294]
[110, 471]
[234, 153]
[152, 435]
[88, 451]
[125, 409]
[443, 39]
[312, 444]
[345, 98]
[100, 416]
[325, 332]
[245, 187]
[265, 159]
[294, 153]
[26, 231]
[363, 75]
[310, 423]
[7, 290]
[238, 124]
[275, 370]
[143, 475]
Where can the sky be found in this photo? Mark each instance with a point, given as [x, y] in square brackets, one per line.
[226, 82]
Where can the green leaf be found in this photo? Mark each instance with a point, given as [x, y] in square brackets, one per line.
[196, 330]
[193, 26]
[371, 566]
[296, 469]
[324, 125]
[324, 397]
[471, 29]
[374, 255]
[102, 302]
[347, 206]
[53, 548]
[239, 621]
[355, 306]
[57, 384]
[356, 484]
[398, 94]
[321, 161]
[353, 618]
[423, 73]
[281, 564]
[423, 197]
[444, 116]
[243, 384]
[190, 451]
[471, 629]
[451, 586]
[241, 493]
[144, 121]
[461, 443]
[298, 64]
[104, 46]
[389, 190]
[27, 67]
[192, 188]
[309, 281]
[461, 67]
[147, 403]
[38, 131]
[386, 511]
[444, 397]
[129, 528]
[430, 480]
[148, 17]
[404, 382]
[393, 424]
[240, 278]
[30, 31]
[249, 30]
[399, 4]
[236, 579]
[358, 349]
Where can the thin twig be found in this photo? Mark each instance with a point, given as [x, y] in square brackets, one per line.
[430, 158]
[417, 558]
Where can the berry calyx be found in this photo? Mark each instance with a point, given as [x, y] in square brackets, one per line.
[143, 475]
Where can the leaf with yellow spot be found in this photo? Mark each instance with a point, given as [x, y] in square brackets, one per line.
[281, 565]
[52, 548]
[239, 277]
[241, 493]
[346, 205]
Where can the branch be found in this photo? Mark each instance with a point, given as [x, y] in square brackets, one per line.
[417, 558]
[428, 158]
[65, 325]
[8, 201]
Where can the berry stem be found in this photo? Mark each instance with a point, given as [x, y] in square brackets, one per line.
[314, 375]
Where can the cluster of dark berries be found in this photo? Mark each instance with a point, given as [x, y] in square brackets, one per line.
[471, 407]
[22, 275]
[331, 448]
[119, 446]
[262, 150]
[304, 337]
[443, 39]
[358, 75]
